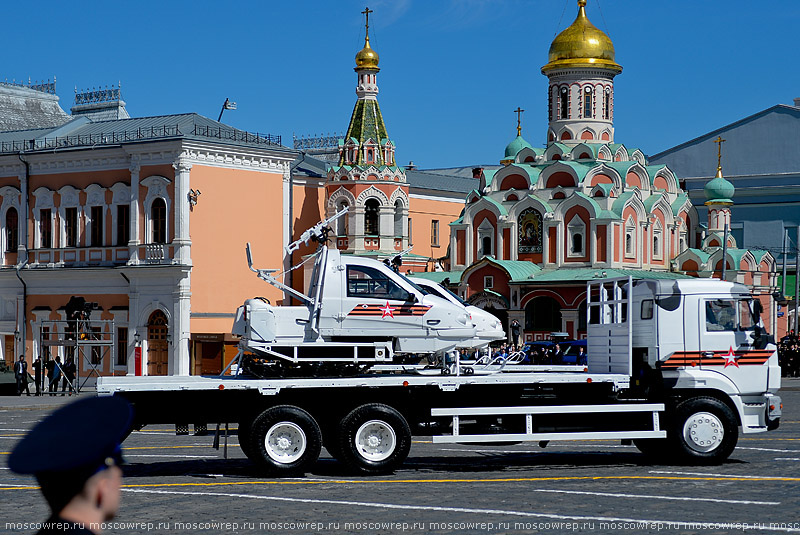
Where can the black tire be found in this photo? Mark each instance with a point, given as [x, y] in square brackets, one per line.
[704, 431]
[374, 439]
[284, 440]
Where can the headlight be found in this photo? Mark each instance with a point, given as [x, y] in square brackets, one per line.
[462, 318]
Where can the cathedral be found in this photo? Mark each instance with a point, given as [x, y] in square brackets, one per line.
[584, 206]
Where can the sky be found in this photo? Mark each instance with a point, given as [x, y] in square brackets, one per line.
[452, 71]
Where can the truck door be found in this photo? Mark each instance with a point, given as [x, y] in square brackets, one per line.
[726, 338]
[376, 304]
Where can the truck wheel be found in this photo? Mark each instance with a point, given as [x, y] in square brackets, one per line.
[705, 430]
[374, 438]
[285, 440]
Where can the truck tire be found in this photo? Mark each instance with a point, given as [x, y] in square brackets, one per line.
[704, 430]
[284, 440]
[374, 438]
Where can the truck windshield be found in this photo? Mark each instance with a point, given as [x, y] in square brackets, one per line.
[729, 315]
[440, 290]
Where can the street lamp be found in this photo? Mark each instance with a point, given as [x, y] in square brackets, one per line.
[227, 105]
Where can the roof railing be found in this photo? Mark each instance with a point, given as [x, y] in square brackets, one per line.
[139, 134]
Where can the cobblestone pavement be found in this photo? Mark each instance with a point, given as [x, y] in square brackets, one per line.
[179, 484]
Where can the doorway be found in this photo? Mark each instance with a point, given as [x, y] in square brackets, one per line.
[157, 344]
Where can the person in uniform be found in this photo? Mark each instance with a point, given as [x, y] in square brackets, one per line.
[80, 478]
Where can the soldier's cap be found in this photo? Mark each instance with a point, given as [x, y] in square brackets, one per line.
[72, 444]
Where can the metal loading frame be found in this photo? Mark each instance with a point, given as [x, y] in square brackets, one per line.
[456, 437]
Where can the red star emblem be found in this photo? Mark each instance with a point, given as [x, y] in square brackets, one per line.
[389, 311]
[730, 358]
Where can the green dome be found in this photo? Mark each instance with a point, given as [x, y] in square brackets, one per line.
[719, 190]
[515, 146]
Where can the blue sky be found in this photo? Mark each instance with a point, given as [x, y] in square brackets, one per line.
[451, 71]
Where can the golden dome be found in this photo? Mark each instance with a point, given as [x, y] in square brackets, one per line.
[366, 57]
[581, 45]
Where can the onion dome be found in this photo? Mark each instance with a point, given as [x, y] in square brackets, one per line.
[718, 190]
[582, 45]
[367, 58]
[515, 146]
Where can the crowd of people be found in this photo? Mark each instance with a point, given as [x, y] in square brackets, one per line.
[789, 355]
[46, 376]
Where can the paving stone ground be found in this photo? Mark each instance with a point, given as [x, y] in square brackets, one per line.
[179, 484]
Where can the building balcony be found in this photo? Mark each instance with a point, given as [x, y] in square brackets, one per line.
[151, 253]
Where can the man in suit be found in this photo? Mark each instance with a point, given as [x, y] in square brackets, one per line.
[37, 375]
[21, 375]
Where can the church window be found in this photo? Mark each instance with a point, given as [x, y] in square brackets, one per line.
[371, 210]
[341, 223]
[564, 110]
[369, 155]
[12, 227]
[658, 241]
[630, 238]
[410, 233]
[529, 230]
[488, 282]
[587, 102]
[576, 230]
[398, 218]
[607, 104]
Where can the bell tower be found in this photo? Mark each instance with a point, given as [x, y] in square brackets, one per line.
[581, 69]
[366, 178]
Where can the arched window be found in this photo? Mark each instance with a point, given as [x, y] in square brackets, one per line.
[529, 231]
[607, 104]
[577, 232]
[564, 108]
[587, 102]
[630, 238]
[543, 314]
[12, 222]
[341, 223]
[398, 218]
[158, 215]
[371, 210]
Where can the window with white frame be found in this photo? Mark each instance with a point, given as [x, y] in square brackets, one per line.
[120, 214]
[157, 206]
[43, 219]
[588, 101]
[9, 219]
[69, 212]
[658, 240]
[488, 282]
[576, 232]
[485, 239]
[95, 209]
[630, 238]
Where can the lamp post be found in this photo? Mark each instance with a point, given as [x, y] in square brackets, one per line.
[227, 105]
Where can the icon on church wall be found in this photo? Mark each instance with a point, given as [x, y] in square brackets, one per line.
[530, 231]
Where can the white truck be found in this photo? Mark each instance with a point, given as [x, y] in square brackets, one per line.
[678, 367]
